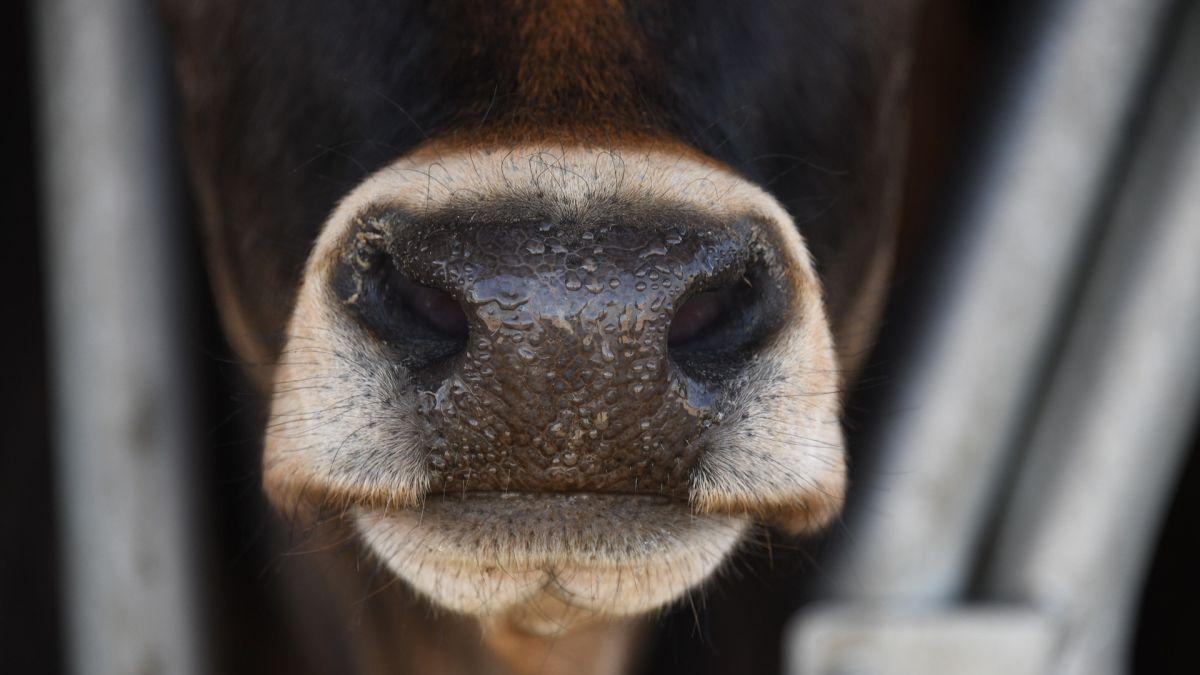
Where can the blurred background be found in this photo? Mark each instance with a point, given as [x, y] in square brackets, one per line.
[1025, 440]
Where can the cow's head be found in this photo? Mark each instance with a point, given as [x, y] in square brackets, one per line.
[543, 281]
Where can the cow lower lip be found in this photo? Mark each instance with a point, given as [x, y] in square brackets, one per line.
[488, 553]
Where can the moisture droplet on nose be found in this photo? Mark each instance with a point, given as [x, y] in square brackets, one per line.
[606, 352]
[654, 249]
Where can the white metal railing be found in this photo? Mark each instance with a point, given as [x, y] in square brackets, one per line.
[1117, 361]
[1110, 436]
[121, 398]
[1000, 295]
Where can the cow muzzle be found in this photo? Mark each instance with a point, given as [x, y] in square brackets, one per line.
[496, 358]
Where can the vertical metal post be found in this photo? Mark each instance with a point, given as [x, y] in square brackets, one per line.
[1115, 426]
[999, 297]
[120, 395]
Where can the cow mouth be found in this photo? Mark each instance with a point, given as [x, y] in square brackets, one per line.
[489, 553]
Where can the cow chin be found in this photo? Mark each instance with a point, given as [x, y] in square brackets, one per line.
[346, 434]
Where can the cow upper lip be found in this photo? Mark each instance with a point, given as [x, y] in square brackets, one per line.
[533, 526]
[450, 496]
[518, 502]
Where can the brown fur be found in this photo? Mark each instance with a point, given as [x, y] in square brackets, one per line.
[570, 69]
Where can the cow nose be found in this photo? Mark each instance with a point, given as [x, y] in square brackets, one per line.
[557, 357]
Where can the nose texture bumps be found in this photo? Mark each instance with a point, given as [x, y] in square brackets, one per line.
[565, 381]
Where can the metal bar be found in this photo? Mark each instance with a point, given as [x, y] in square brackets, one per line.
[1113, 433]
[998, 298]
[120, 395]
[861, 640]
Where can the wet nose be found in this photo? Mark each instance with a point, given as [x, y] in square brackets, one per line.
[549, 356]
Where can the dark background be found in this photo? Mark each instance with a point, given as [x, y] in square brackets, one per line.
[963, 42]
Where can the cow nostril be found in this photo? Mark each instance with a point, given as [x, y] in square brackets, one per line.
[423, 326]
[436, 308]
[699, 315]
[715, 331]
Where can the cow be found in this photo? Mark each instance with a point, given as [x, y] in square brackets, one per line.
[552, 300]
